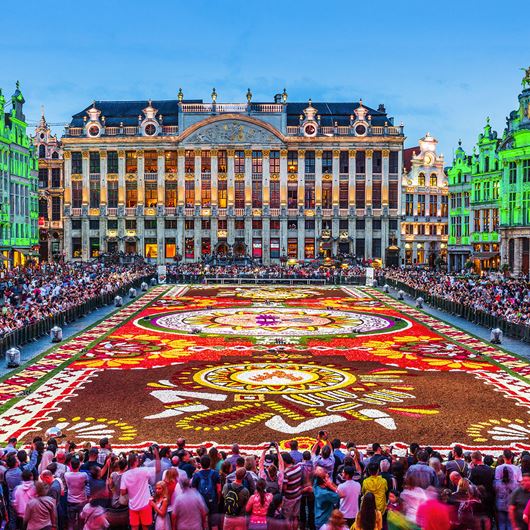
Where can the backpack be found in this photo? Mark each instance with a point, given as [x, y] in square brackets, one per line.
[207, 489]
[232, 504]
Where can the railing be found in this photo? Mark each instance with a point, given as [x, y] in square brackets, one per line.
[171, 210]
[43, 327]
[130, 130]
[112, 212]
[150, 176]
[170, 129]
[130, 212]
[75, 131]
[240, 212]
[112, 131]
[76, 212]
[487, 320]
[345, 130]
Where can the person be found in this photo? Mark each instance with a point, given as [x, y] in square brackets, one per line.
[24, 492]
[336, 522]
[248, 479]
[76, 484]
[503, 492]
[377, 485]
[235, 497]
[267, 470]
[94, 516]
[456, 462]
[159, 503]
[40, 513]
[508, 457]
[422, 475]
[325, 459]
[518, 502]
[105, 450]
[433, 514]
[275, 518]
[258, 505]
[234, 456]
[326, 497]
[208, 483]
[296, 455]
[482, 475]
[465, 505]
[189, 510]
[369, 518]
[350, 491]
[135, 483]
[293, 482]
[307, 501]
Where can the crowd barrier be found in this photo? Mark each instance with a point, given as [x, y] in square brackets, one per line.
[42, 327]
[487, 320]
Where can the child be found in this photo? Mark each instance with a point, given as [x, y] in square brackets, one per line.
[159, 504]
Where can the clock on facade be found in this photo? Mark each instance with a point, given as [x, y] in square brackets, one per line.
[310, 129]
[93, 131]
[150, 129]
[360, 130]
[429, 159]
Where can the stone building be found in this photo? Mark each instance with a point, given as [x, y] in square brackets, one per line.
[49, 152]
[425, 207]
[18, 184]
[185, 179]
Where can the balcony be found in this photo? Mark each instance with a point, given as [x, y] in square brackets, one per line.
[150, 176]
[171, 210]
[130, 212]
[240, 212]
[294, 130]
[76, 212]
[209, 108]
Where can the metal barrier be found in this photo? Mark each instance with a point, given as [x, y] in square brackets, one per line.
[282, 281]
[180, 278]
[481, 318]
[35, 330]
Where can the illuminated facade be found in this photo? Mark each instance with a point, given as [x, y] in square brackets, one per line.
[425, 207]
[192, 180]
[49, 152]
[18, 184]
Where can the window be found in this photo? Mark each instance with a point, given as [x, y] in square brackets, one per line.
[274, 162]
[292, 162]
[206, 224]
[112, 162]
[309, 224]
[130, 224]
[131, 162]
[487, 191]
[421, 179]
[131, 194]
[393, 162]
[292, 195]
[495, 190]
[150, 162]
[512, 173]
[221, 161]
[309, 195]
[486, 164]
[93, 224]
[275, 194]
[239, 162]
[421, 205]
[344, 162]
[189, 161]
[257, 162]
[476, 219]
[495, 218]
[360, 194]
[43, 178]
[526, 170]
[77, 162]
[377, 162]
[257, 200]
[476, 192]
[170, 247]
[466, 199]
[257, 224]
[171, 161]
[222, 193]
[189, 194]
[76, 224]
[56, 177]
[77, 194]
[433, 205]
[94, 193]
[327, 195]
[309, 162]
[444, 211]
[170, 224]
[360, 162]
[376, 194]
[239, 193]
[327, 161]
[206, 162]
[171, 193]
[150, 199]
[393, 194]
[150, 224]
[409, 204]
[343, 194]
[43, 208]
[112, 193]
[42, 151]
[112, 224]
[486, 221]
[434, 180]
[206, 192]
[512, 196]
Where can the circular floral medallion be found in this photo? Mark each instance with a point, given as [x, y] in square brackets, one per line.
[267, 321]
[273, 378]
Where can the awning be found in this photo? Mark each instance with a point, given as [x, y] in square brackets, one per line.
[485, 255]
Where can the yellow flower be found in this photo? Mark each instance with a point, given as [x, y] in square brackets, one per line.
[457, 365]
[415, 338]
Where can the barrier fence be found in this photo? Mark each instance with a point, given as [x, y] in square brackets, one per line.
[43, 327]
[511, 329]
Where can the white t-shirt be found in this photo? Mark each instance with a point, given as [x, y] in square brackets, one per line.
[76, 482]
[349, 504]
[515, 472]
[136, 482]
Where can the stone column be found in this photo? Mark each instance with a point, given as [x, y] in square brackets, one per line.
[352, 170]
[318, 199]
[248, 201]
[103, 200]
[384, 203]
[197, 225]
[67, 217]
[161, 199]
[368, 231]
[335, 201]
[141, 177]
[214, 198]
[301, 203]
[517, 256]
[504, 249]
[121, 201]
[265, 215]
[283, 178]
[140, 224]
[161, 178]
[181, 180]
[85, 241]
[230, 186]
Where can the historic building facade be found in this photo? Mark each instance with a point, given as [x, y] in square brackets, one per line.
[425, 207]
[18, 184]
[188, 180]
[51, 189]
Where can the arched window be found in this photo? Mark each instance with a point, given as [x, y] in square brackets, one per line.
[55, 155]
[421, 179]
[42, 151]
[434, 180]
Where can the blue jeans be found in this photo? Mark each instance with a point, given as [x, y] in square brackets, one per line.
[503, 520]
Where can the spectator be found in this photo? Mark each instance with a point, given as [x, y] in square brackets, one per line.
[40, 511]
[235, 497]
[369, 518]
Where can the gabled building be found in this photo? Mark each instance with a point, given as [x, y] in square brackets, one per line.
[51, 190]
[425, 207]
[18, 184]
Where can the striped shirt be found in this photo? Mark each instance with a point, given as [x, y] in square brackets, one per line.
[293, 482]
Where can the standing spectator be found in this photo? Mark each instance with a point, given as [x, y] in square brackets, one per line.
[159, 503]
[482, 475]
[515, 471]
[188, 510]
[296, 455]
[376, 485]
[369, 518]
[349, 491]
[326, 497]
[76, 484]
[94, 516]
[235, 497]
[336, 522]
[457, 463]
[40, 511]
[518, 502]
[503, 492]
[258, 505]
[234, 456]
[421, 475]
[293, 481]
[208, 483]
[24, 492]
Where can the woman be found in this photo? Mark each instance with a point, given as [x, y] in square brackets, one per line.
[273, 478]
[275, 518]
[369, 518]
[216, 460]
[118, 513]
[258, 505]
[159, 504]
[336, 522]
[41, 513]
[435, 463]
[466, 504]
[503, 491]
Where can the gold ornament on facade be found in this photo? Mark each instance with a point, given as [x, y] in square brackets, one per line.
[171, 176]
[93, 211]
[231, 152]
[266, 153]
[283, 153]
[214, 152]
[86, 154]
[103, 154]
[131, 176]
[352, 153]
[140, 153]
[189, 177]
[160, 152]
[336, 153]
[256, 212]
[150, 211]
[248, 153]
[293, 177]
[369, 153]
[239, 176]
[386, 153]
[301, 153]
[67, 155]
[318, 153]
[181, 152]
[197, 152]
[77, 176]
[112, 176]
[275, 177]
[221, 176]
[121, 154]
[327, 176]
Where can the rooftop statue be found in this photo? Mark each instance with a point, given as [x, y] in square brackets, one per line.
[526, 79]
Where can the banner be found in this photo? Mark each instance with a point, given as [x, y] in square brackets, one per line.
[162, 274]
[369, 276]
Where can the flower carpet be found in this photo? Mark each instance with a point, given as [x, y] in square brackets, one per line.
[222, 364]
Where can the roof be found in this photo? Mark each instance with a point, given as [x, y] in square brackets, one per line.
[407, 156]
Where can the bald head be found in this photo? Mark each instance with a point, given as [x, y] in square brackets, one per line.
[455, 477]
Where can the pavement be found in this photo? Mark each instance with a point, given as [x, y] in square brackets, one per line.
[509, 344]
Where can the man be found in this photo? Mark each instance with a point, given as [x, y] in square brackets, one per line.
[293, 481]
[185, 463]
[377, 454]
[208, 483]
[518, 502]
[515, 471]
[234, 456]
[325, 459]
[349, 492]
[235, 500]
[188, 510]
[458, 463]
[422, 475]
[11, 446]
[135, 482]
[296, 455]
[326, 497]
[454, 479]
[76, 483]
[92, 461]
[482, 475]
[104, 451]
[376, 485]
[248, 479]
[24, 492]
[413, 451]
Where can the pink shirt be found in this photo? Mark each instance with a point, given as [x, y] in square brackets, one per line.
[257, 511]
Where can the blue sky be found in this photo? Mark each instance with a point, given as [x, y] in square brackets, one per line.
[438, 66]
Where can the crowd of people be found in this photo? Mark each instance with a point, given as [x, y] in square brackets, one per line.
[333, 486]
[506, 298]
[31, 293]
